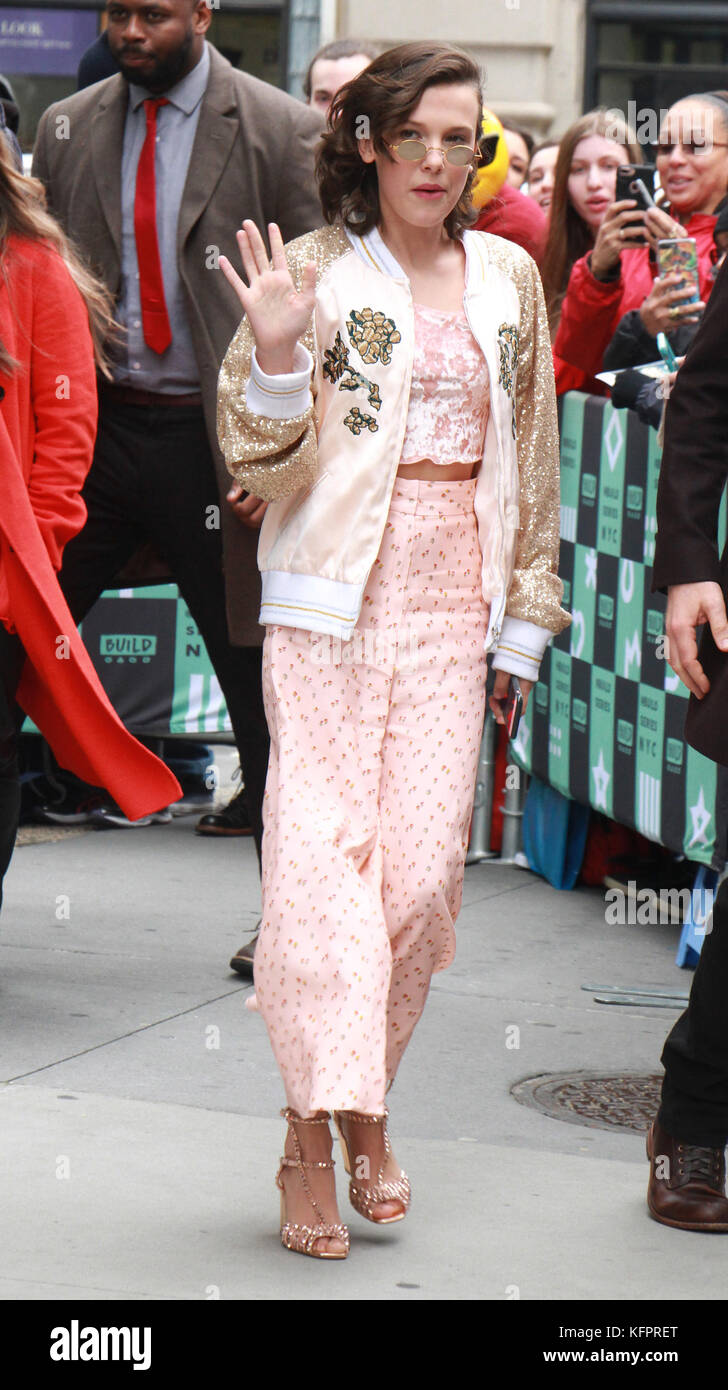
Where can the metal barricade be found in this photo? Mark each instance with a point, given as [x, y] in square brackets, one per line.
[479, 851]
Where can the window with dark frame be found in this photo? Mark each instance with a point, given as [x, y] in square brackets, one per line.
[643, 55]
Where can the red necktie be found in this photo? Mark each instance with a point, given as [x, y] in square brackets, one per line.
[155, 320]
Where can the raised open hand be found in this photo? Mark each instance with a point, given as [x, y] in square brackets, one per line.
[277, 312]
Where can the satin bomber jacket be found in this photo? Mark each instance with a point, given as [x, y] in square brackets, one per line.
[323, 443]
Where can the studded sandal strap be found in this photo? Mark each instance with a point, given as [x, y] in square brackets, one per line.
[300, 1163]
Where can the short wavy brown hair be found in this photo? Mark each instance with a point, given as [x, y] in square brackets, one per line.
[385, 93]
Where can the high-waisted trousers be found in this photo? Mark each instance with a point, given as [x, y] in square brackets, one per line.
[374, 749]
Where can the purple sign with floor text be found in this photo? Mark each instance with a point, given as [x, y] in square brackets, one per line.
[45, 42]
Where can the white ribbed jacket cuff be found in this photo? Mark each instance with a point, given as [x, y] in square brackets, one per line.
[281, 397]
[520, 648]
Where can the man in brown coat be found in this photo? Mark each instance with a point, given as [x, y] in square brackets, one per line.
[686, 1144]
[151, 172]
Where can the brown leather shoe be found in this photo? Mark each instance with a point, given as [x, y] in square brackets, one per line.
[687, 1183]
[242, 961]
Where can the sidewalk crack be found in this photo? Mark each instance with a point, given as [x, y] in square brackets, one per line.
[109, 1042]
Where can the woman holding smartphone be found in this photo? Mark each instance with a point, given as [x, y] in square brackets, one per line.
[390, 394]
[584, 180]
[617, 275]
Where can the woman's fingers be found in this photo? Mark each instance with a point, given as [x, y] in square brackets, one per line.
[278, 254]
[257, 246]
[246, 256]
[663, 225]
[499, 693]
[233, 279]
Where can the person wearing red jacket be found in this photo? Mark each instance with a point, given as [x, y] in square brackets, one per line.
[605, 283]
[53, 315]
[585, 176]
[512, 215]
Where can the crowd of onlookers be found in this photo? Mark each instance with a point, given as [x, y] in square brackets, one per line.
[598, 255]
[612, 306]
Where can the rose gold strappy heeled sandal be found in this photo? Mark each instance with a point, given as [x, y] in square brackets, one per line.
[303, 1238]
[364, 1199]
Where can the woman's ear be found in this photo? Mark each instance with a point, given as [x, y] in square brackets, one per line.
[366, 149]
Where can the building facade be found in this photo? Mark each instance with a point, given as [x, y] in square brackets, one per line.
[544, 61]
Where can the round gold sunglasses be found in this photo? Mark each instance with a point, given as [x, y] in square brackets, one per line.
[411, 150]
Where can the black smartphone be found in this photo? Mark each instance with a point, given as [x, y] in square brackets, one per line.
[512, 707]
[629, 179]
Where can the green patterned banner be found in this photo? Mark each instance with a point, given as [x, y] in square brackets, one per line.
[153, 663]
[605, 725]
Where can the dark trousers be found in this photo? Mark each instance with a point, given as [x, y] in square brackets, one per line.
[153, 479]
[695, 1088]
[11, 665]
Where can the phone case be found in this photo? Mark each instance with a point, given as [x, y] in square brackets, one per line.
[680, 255]
[626, 176]
[513, 711]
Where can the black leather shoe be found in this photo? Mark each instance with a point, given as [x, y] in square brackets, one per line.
[234, 819]
[242, 961]
[687, 1183]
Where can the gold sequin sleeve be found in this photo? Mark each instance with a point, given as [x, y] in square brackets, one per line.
[536, 591]
[272, 458]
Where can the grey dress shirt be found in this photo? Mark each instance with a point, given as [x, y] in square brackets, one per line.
[173, 372]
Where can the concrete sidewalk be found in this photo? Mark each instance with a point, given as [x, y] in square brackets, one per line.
[140, 1099]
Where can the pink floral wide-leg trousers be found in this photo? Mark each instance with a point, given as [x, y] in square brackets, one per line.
[374, 749]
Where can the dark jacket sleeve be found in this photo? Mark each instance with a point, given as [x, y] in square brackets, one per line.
[695, 458]
[631, 344]
[299, 208]
[635, 391]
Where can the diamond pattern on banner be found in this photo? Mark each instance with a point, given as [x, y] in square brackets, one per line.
[605, 724]
[614, 438]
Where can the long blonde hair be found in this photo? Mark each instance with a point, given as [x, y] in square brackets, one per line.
[23, 213]
[569, 236]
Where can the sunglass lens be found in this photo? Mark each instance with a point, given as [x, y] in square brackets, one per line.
[460, 155]
[412, 149]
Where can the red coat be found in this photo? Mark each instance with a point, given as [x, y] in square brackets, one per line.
[591, 309]
[514, 216]
[47, 430]
[570, 378]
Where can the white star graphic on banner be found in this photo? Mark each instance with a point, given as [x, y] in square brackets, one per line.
[701, 818]
[602, 778]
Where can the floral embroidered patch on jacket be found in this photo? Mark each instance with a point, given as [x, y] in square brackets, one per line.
[336, 367]
[356, 421]
[336, 358]
[373, 335]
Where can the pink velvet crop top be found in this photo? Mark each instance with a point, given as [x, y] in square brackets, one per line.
[449, 399]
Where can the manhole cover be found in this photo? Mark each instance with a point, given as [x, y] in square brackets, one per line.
[628, 1101]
